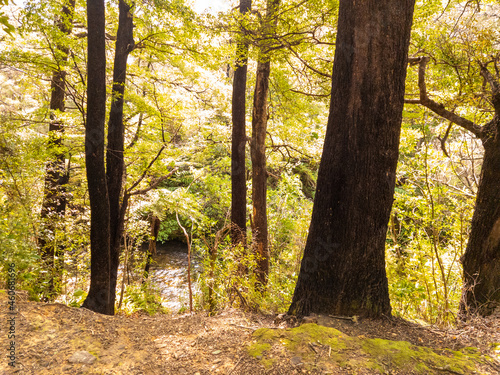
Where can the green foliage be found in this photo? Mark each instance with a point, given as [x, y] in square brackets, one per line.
[142, 298]
[225, 280]
[77, 298]
[4, 19]
[20, 190]
[428, 227]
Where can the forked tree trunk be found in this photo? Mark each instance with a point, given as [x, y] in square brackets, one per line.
[343, 268]
[115, 166]
[56, 174]
[238, 142]
[258, 144]
[98, 298]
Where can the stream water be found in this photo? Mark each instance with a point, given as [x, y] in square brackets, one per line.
[169, 272]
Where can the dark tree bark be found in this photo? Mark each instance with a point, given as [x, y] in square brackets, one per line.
[481, 261]
[343, 268]
[114, 156]
[258, 144]
[153, 235]
[98, 298]
[238, 142]
[56, 174]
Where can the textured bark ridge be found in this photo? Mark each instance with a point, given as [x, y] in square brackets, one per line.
[343, 268]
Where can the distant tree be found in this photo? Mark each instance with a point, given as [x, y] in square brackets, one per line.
[238, 142]
[258, 143]
[343, 267]
[56, 173]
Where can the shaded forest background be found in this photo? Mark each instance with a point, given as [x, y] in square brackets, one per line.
[177, 147]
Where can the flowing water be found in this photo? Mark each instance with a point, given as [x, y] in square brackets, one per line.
[169, 272]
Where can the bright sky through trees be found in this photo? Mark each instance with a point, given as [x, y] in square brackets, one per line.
[199, 5]
[215, 5]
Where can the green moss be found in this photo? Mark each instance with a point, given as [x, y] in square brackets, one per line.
[405, 356]
[312, 333]
[257, 349]
[320, 346]
[265, 334]
[268, 362]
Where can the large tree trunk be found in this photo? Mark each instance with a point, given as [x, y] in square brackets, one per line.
[98, 298]
[238, 170]
[114, 156]
[56, 175]
[481, 260]
[343, 268]
[258, 144]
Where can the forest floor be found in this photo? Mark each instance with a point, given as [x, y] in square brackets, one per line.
[234, 342]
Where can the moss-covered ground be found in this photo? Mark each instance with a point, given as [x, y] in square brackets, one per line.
[320, 349]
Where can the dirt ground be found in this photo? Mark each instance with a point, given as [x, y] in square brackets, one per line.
[47, 335]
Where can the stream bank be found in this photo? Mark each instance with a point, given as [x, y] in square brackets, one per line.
[169, 272]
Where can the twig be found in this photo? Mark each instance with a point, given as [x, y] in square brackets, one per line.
[244, 327]
[351, 318]
[236, 365]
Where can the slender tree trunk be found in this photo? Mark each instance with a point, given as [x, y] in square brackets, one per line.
[114, 156]
[98, 298]
[258, 144]
[56, 175]
[238, 170]
[481, 260]
[343, 268]
[153, 235]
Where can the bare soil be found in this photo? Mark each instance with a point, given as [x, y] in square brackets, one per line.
[47, 335]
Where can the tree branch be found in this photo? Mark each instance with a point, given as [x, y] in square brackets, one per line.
[154, 185]
[495, 88]
[146, 170]
[439, 108]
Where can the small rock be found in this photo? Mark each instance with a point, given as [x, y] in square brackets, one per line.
[82, 357]
[296, 361]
